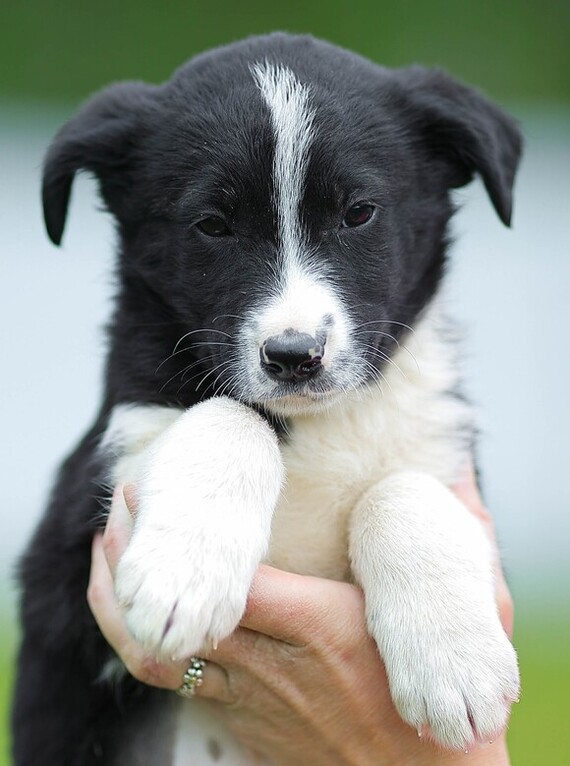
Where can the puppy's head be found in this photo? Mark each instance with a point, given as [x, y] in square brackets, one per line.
[287, 201]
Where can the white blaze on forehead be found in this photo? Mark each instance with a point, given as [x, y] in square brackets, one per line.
[292, 120]
[302, 297]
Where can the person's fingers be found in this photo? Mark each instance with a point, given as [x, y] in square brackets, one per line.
[467, 491]
[275, 604]
[143, 667]
[101, 599]
[289, 607]
[215, 684]
[505, 604]
[502, 592]
[130, 496]
[118, 530]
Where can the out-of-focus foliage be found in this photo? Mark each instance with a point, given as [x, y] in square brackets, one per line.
[539, 731]
[517, 50]
[7, 641]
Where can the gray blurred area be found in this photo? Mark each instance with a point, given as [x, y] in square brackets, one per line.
[509, 288]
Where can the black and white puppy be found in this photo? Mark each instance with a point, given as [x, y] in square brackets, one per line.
[282, 209]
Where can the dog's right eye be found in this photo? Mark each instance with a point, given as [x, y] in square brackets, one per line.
[213, 226]
[358, 215]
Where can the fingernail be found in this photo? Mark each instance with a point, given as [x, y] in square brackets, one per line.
[130, 497]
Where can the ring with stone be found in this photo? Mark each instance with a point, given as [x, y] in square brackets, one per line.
[193, 678]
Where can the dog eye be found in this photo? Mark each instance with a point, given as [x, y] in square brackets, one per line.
[213, 226]
[358, 215]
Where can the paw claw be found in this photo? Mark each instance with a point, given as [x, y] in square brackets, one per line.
[455, 703]
[174, 605]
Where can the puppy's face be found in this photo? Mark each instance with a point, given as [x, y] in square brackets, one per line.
[286, 233]
[288, 202]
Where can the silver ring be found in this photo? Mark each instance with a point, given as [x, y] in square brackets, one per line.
[193, 678]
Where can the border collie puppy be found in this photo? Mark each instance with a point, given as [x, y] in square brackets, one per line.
[282, 209]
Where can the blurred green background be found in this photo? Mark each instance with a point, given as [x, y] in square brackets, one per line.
[57, 49]
[53, 54]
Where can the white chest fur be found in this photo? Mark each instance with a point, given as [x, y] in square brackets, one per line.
[216, 488]
[410, 421]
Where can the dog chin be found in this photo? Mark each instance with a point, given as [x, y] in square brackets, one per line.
[302, 404]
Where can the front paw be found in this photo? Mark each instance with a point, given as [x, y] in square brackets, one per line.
[206, 496]
[180, 592]
[455, 685]
[425, 565]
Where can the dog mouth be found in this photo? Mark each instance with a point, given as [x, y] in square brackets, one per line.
[290, 398]
[301, 394]
[308, 402]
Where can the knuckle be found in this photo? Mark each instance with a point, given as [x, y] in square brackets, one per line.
[143, 668]
[240, 694]
[507, 610]
[110, 542]
[95, 594]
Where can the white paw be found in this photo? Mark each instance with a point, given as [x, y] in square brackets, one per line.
[425, 565]
[207, 493]
[454, 685]
[181, 592]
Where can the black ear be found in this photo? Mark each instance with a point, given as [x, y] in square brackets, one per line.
[469, 131]
[99, 138]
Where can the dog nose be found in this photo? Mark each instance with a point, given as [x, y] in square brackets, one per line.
[291, 356]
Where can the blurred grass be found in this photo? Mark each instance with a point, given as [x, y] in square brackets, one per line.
[7, 650]
[539, 732]
[55, 49]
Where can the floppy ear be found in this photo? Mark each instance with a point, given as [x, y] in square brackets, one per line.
[99, 138]
[469, 131]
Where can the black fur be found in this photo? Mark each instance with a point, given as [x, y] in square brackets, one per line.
[164, 156]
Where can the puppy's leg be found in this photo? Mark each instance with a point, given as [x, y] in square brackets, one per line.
[425, 566]
[207, 490]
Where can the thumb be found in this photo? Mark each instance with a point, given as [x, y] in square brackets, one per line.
[118, 530]
[288, 606]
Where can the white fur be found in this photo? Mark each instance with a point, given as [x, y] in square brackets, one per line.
[404, 423]
[131, 430]
[373, 469]
[206, 495]
[425, 566]
[302, 305]
[292, 119]
[196, 726]
[304, 298]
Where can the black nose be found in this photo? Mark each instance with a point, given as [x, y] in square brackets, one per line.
[291, 356]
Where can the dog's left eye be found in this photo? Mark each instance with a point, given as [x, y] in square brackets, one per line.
[358, 215]
[213, 226]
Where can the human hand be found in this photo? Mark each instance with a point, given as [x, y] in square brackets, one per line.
[301, 680]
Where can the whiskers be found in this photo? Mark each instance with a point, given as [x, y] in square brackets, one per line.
[360, 331]
[177, 350]
[201, 360]
[209, 361]
[379, 354]
[374, 360]
[387, 321]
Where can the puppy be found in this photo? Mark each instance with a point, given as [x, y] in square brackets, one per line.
[282, 209]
